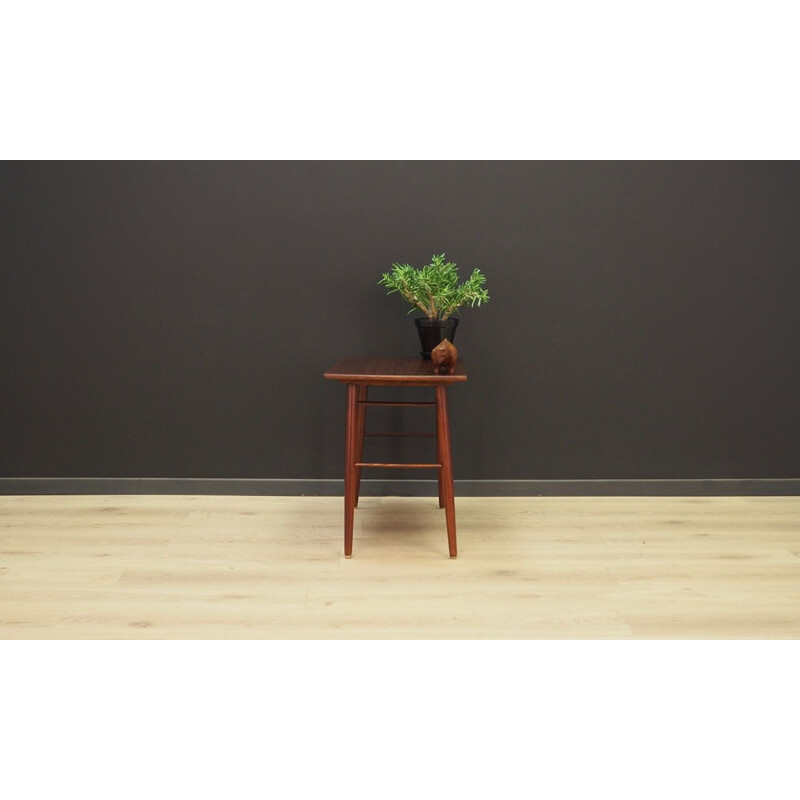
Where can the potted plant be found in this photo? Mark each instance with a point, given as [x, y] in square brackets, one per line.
[434, 289]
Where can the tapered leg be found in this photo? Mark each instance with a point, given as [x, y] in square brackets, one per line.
[350, 469]
[361, 419]
[439, 459]
[447, 467]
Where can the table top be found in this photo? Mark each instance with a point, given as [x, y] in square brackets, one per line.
[401, 371]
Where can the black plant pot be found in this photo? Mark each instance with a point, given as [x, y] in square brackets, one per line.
[432, 331]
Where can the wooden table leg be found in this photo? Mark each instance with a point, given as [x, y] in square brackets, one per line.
[361, 420]
[350, 469]
[447, 467]
[439, 459]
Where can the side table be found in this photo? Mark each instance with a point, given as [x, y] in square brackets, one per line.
[358, 374]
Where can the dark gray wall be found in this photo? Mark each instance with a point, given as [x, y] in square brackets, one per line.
[174, 319]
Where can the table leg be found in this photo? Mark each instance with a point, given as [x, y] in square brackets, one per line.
[447, 467]
[350, 469]
[361, 419]
[439, 459]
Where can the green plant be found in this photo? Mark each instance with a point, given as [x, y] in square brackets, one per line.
[434, 288]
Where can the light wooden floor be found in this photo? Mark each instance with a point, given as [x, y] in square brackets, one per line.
[178, 567]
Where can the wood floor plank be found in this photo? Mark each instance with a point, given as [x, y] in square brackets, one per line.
[212, 567]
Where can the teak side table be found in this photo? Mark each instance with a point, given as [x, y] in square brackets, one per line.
[361, 373]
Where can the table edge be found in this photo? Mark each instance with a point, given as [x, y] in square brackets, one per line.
[421, 380]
